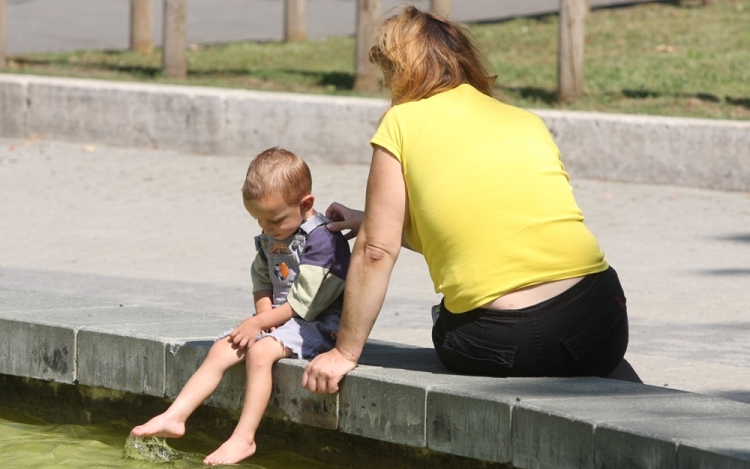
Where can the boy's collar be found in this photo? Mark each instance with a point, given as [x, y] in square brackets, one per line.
[313, 222]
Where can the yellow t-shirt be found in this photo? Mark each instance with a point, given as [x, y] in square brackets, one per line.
[491, 206]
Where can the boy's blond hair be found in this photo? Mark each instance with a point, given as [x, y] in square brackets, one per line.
[277, 172]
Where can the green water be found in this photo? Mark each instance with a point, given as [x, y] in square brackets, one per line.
[29, 443]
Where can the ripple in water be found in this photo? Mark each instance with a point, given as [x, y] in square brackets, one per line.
[30, 443]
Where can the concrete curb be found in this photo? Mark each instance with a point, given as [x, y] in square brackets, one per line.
[399, 394]
[712, 154]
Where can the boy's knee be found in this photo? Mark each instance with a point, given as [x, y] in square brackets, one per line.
[220, 346]
[266, 351]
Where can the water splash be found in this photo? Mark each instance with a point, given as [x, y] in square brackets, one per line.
[154, 450]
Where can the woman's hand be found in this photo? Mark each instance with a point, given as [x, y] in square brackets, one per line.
[344, 218]
[325, 371]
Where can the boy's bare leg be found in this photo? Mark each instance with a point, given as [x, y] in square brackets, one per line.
[199, 387]
[259, 362]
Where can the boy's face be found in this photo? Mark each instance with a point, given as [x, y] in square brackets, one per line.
[276, 218]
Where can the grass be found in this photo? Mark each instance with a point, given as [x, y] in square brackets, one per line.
[659, 58]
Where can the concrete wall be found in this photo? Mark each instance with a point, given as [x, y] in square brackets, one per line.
[704, 153]
[398, 394]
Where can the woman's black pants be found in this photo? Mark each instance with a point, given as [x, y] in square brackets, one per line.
[581, 332]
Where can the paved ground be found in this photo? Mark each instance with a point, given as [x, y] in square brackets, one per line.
[167, 229]
[66, 25]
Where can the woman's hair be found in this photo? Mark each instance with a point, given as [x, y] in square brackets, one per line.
[421, 54]
[277, 172]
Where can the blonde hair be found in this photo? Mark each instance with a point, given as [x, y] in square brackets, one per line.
[277, 172]
[421, 54]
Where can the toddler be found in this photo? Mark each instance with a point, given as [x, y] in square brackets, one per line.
[298, 283]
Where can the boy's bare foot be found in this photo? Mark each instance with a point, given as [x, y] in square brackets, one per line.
[233, 450]
[161, 425]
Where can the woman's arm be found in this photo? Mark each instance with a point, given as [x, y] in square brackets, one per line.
[345, 218]
[374, 254]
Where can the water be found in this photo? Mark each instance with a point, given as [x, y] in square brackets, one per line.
[30, 443]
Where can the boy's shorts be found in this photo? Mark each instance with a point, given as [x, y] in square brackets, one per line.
[308, 339]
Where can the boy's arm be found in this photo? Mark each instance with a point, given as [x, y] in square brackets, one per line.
[244, 335]
[262, 300]
[261, 279]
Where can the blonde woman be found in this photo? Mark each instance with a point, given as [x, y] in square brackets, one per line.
[476, 186]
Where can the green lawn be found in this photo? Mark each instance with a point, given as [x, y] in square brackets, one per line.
[658, 58]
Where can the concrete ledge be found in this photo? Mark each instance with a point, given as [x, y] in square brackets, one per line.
[712, 154]
[323, 128]
[126, 114]
[399, 394]
[13, 106]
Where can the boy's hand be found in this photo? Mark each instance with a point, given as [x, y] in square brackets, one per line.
[244, 335]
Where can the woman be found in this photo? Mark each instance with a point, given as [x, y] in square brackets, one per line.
[477, 187]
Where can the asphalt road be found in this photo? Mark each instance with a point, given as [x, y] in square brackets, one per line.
[167, 229]
[67, 25]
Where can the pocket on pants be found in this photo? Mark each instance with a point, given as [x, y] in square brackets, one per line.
[594, 330]
[479, 350]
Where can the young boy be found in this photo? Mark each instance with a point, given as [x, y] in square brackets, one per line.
[298, 282]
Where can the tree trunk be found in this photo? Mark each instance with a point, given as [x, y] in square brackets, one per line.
[366, 78]
[3, 33]
[141, 26]
[441, 8]
[295, 20]
[570, 59]
[175, 38]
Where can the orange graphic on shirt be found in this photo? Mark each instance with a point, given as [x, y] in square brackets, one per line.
[282, 271]
[279, 248]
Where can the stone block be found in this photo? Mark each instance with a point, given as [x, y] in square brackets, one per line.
[290, 401]
[542, 434]
[548, 418]
[653, 149]
[653, 443]
[183, 359]
[467, 423]
[182, 327]
[321, 128]
[36, 350]
[120, 362]
[729, 453]
[543, 439]
[104, 317]
[522, 389]
[171, 117]
[387, 404]
[406, 357]
[633, 450]
[15, 301]
[134, 358]
[661, 406]
[12, 107]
